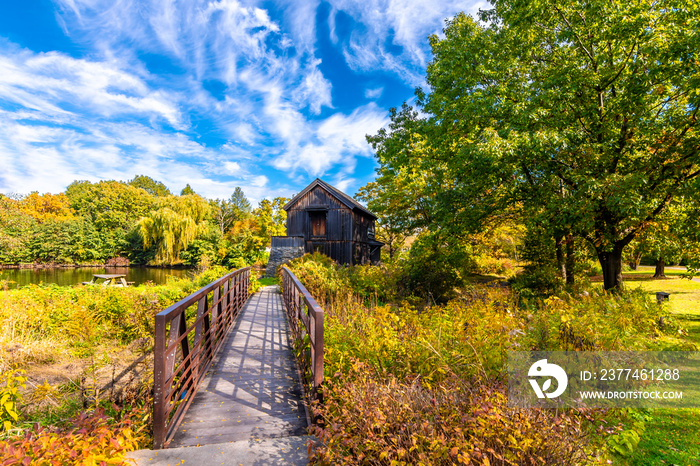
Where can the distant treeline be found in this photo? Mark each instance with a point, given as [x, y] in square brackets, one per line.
[140, 220]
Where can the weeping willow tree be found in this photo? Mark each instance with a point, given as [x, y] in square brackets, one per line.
[176, 222]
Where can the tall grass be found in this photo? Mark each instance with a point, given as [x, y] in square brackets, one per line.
[391, 360]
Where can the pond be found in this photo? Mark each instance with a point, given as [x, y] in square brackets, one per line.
[72, 276]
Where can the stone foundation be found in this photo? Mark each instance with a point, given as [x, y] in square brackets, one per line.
[283, 249]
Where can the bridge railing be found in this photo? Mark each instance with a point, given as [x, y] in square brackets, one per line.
[305, 318]
[188, 335]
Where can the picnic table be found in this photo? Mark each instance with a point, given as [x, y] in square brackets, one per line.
[110, 279]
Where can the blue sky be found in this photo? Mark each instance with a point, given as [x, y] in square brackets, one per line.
[265, 95]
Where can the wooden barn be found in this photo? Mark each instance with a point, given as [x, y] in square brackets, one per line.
[334, 224]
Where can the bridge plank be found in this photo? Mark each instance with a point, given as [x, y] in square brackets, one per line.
[252, 388]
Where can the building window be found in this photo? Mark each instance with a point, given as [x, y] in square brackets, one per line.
[370, 231]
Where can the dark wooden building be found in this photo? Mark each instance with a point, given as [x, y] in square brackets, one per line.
[334, 224]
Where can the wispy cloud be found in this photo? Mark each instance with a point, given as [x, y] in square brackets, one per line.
[57, 85]
[394, 32]
[236, 96]
[336, 141]
[374, 93]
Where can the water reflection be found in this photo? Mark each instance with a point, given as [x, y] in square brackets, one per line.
[72, 276]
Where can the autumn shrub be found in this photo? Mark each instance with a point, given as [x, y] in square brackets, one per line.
[464, 338]
[92, 439]
[327, 282]
[76, 320]
[376, 283]
[489, 265]
[409, 352]
[599, 320]
[366, 420]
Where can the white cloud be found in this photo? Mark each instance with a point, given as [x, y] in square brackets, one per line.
[343, 183]
[55, 84]
[53, 157]
[232, 168]
[374, 93]
[259, 181]
[403, 24]
[337, 140]
[315, 89]
[108, 116]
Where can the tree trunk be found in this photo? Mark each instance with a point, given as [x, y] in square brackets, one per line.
[561, 265]
[570, 260]
[611, 262]
[636, 258]
[660, 266]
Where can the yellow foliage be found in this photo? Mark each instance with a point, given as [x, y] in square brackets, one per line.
[11, 381]
[47, 206]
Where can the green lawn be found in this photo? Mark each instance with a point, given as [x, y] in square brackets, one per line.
[672, 437]
[268, 281]
[649, 270]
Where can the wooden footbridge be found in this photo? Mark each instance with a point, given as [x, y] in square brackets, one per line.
[226, 375]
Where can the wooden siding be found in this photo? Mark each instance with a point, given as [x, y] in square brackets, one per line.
[345, 239]
[338, 216]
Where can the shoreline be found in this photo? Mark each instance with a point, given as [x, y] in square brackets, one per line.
[91, 266]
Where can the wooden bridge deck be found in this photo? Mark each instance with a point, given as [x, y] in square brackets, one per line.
[252, 390]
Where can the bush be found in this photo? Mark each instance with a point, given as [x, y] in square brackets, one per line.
[598, 320]
[401, 381]
[366, 420]
[434, 268]
[10, 396]
[327, 282]
[463, 338]
[93, 439]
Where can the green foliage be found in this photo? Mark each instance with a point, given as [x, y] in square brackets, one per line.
[173, 226]
[398, 197]
[553, 112]
[187, 190]
[435, 267]
[110, 205]
[151, 186]
[71, 241]
[112, 208]
[625, 442]
[16, 228]
[11, 382]
[540, 274]
[240, 203]
[271, 218]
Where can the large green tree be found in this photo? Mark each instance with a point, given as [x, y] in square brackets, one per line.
[584, 114]
[227, 212]
[113, 207]
[151, 186]
[173, 225]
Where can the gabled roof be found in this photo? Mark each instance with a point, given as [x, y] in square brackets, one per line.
[338, 194]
